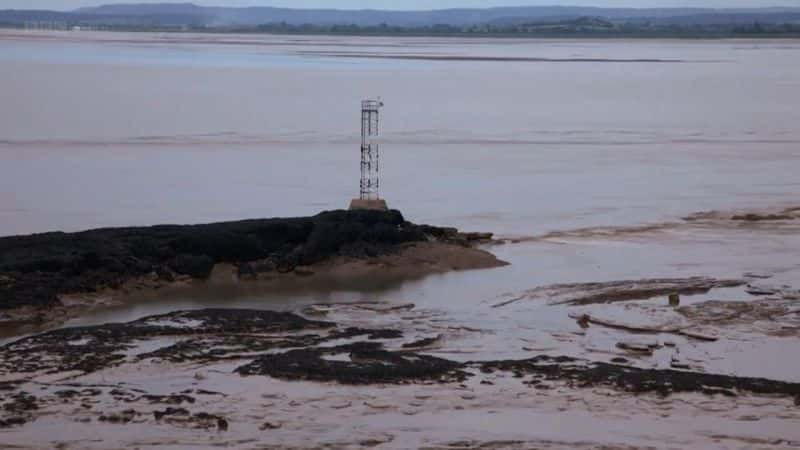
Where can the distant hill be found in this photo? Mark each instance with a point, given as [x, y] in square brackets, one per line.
[144, 9]
[190, 15]
[221, 16]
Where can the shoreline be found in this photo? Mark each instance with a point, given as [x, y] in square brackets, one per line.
[682, 34]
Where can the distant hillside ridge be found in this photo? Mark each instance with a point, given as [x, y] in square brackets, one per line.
[509, 19]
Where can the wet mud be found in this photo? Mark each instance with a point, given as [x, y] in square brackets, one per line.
[289, 347]
[769, 317]
[208, 334]
[348, 365]
[625, 290]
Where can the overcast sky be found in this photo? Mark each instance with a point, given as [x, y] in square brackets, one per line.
[406, 4]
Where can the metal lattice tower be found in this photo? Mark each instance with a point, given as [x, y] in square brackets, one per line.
[370, 157]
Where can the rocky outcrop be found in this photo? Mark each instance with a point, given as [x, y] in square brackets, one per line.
[36, 270]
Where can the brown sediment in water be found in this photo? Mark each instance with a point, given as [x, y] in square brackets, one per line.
[440, 57]
[779, 218]
[771, 215]
[411, 261]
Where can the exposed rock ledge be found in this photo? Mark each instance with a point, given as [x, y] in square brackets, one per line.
[42, 275]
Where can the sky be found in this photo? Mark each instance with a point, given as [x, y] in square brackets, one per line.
[407, 4]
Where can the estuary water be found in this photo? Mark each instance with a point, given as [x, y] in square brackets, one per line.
[586, 154]
[101, 129]
[593, 160]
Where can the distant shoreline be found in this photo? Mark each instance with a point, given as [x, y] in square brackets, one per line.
[414, 33]
[517, 21]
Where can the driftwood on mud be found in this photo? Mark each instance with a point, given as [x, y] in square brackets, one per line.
[683, 331]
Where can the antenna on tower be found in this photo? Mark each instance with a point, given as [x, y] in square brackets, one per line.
[369, 197]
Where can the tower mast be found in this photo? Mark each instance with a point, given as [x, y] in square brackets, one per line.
[369, 197]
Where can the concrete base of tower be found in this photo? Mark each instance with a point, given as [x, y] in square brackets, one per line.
[373, 204]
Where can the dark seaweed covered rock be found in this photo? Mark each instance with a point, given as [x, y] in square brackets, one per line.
[196, 266]
[366, 363]
[582, 373]
[36, 269]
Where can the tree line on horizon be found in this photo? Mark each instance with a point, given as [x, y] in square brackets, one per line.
[518, 21]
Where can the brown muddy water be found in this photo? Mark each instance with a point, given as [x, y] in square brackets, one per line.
[586, 156]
